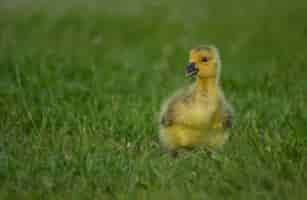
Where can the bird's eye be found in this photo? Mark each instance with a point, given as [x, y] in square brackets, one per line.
[204, 59]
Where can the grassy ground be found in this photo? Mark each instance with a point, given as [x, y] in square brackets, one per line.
[81, 86]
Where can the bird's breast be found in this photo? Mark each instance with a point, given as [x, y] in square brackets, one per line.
[198, 115]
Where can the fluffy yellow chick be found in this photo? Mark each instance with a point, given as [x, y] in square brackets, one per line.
[199, 114]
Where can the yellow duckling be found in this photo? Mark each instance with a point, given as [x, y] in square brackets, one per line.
[199, 114]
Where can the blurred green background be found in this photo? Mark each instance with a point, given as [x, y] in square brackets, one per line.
[81, 84]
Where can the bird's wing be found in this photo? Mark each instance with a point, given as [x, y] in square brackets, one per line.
[227, 115]
[168, 115]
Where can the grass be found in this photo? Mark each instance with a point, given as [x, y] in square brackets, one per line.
[81, 86]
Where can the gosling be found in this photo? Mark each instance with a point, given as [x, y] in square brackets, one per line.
[198, 115]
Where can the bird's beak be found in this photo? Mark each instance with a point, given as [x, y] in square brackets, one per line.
[191, 69]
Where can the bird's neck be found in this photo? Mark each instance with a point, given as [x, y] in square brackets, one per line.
[207, 86]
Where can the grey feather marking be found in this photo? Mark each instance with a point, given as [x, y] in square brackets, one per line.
[227, 117]
[166, 121]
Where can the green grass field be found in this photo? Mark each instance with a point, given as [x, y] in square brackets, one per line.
[81, 86]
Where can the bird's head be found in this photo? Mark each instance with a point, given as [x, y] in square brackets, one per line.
[204, 62]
